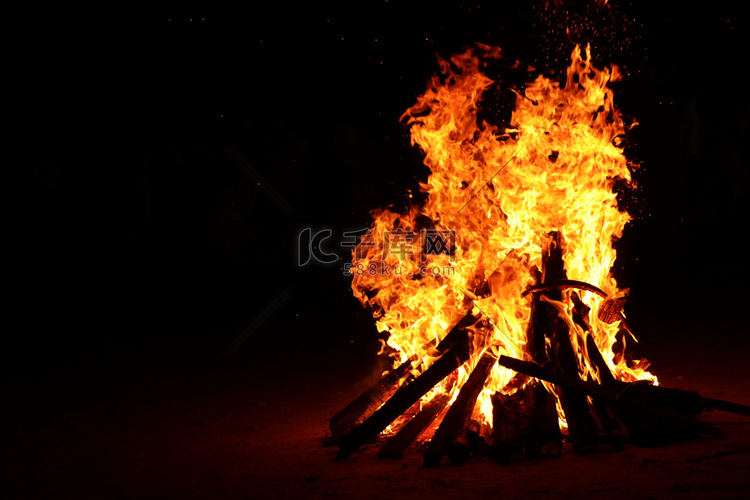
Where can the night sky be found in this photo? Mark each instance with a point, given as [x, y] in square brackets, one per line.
[165, 158]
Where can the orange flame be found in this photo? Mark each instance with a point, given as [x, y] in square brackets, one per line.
[500, 194]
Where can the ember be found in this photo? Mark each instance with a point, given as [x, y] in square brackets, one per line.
[520, 224]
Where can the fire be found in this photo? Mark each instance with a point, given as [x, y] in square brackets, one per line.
[497, 195]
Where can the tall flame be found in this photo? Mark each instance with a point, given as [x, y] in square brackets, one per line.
[499, 194]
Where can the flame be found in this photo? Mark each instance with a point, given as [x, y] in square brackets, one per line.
[499, 194]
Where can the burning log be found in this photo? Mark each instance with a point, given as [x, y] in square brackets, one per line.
[678, 400]
[457, 335]
[369, 401]
[595, 356]
[601, 409]
[404, 398]
[575, 405]
[544, 429]
[564, 284]
[611, 310]
[652, 414]
[538, 328]
[543, 373]
[543, 435]
[507, 425]
[465, 446]
[566, 176]
[525, 423]
[604, 417]
[459, 412]
[404, 438]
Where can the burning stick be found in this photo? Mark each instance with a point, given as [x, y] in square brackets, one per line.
[397, 445]
[605, 375]
[402, 400]
[459, 412]
[369, 401]
[543, 373]
[544, 429]
[646, 409]
[564, 284]
[611, 310]
[601, 409]
[575, 405]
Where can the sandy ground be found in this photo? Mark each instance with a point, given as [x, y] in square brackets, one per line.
[200, 425]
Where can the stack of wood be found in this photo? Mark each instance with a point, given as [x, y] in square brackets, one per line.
[525, 418]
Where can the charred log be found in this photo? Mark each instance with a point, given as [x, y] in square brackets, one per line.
[369, 401]
[467, 445]
[602, 412]
[404, 438]
[507, 426]
[611, 310]
[404, 398]
[651, 421]
[595, 356]
[459, 412]
[538, 328]
[543, 435]
[553, 377]
[564, 284]
[653, 415]
[575, 405]
[457, 335]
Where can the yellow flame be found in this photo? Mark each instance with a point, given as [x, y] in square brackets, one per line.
[501, 193]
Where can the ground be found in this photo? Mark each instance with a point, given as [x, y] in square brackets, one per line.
[185, 420]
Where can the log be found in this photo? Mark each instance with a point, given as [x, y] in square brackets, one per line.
[679, 401]
[601, 409]
[404, 398]
[459, 412]
[650, 422]
[507, 425]
[575, 405]
[718, 404]
[404, 438]
[458, 334]
[370, 400]
[564, 284]
[603, 416]
[595, 356]
[538, 327]
[470, 443]
[543, 435]
[553, 377]
[611, 310]
[580, 312]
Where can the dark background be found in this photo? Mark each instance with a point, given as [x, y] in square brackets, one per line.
[166, 157]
